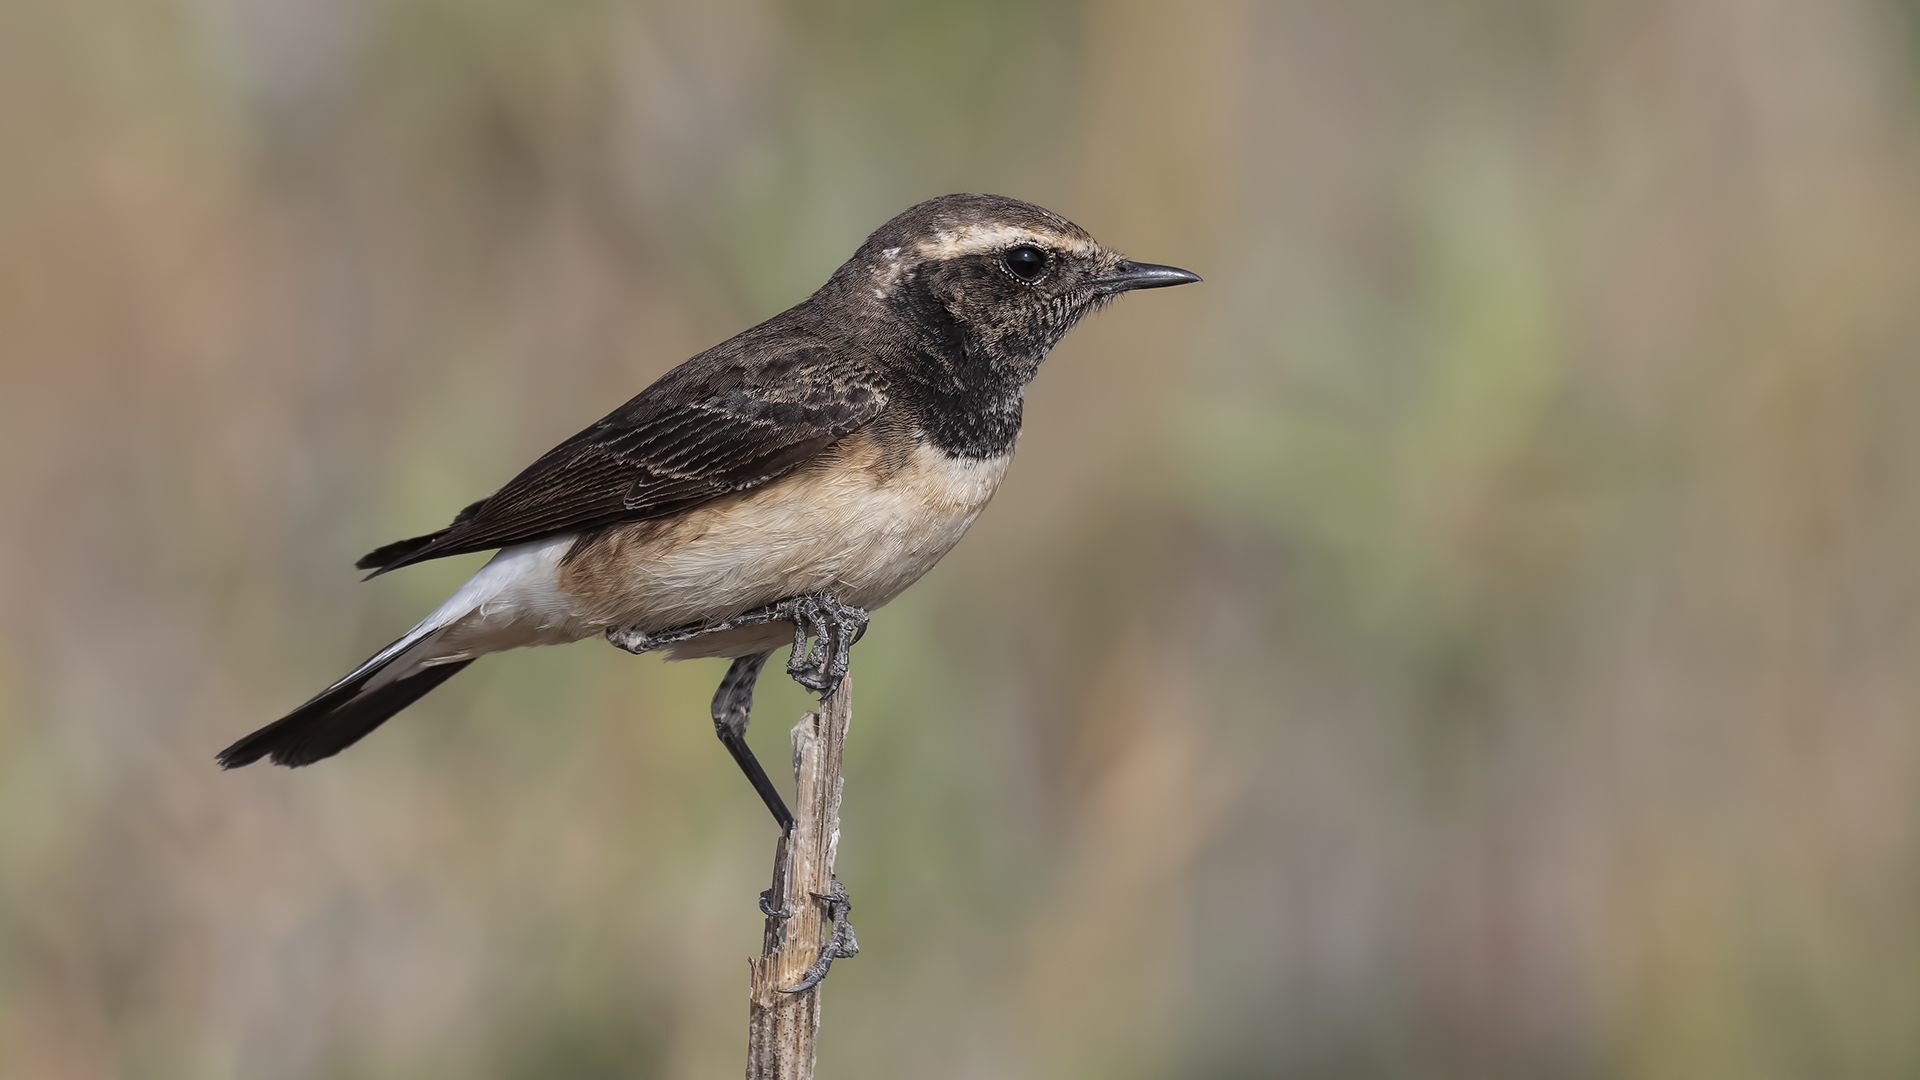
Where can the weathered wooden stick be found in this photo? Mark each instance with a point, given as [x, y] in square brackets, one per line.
[782, 1026]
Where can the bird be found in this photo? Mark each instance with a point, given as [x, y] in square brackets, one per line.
[772, 490]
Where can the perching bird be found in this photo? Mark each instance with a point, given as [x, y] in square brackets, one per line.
[778, 486]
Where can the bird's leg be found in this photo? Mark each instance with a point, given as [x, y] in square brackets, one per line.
[839, 947]
[732, 704]
[834, 627]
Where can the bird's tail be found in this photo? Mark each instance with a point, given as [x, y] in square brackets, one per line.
[345, 712]
[512, 601]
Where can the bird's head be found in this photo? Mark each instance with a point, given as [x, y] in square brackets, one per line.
[1002, 279]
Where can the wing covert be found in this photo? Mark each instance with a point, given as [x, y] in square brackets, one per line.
[715, 425]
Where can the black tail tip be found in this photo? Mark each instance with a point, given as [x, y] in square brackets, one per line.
[239, 755]
[235, 758]
[340, 716]
[392, 556]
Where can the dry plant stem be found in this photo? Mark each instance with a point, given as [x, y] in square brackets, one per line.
[781, 1028]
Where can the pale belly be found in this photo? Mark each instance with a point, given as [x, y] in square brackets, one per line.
[862, 530]
[863, 523]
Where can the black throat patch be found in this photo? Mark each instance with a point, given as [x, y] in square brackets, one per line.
[972, 421]
[967, 399]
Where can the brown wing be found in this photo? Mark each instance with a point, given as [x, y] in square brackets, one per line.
[731, 418]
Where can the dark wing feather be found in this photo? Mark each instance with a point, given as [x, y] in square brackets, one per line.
[736, 416]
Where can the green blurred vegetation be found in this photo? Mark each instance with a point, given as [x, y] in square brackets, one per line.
[1476, 634]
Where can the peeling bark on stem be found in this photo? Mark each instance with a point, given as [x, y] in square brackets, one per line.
[782, 1026]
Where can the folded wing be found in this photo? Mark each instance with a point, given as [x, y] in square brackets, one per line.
[729, 419]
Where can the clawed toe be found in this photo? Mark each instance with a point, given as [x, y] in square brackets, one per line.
[824, 633]
[841, 945]
[833, 628]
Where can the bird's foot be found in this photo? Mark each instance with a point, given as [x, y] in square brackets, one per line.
[635, 640]
[840, 945]
[834, 627]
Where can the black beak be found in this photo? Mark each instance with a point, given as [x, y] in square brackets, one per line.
[1138, 275]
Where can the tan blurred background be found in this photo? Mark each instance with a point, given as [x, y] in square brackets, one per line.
[1476, 634]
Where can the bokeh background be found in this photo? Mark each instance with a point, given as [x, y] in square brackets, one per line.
[1476, 634]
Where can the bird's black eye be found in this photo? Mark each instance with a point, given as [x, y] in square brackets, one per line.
[1025, 262]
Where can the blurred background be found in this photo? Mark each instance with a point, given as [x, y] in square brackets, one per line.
[1476, 634]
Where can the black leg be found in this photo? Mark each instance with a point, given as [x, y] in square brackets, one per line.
[834, 628]
[732, 704]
